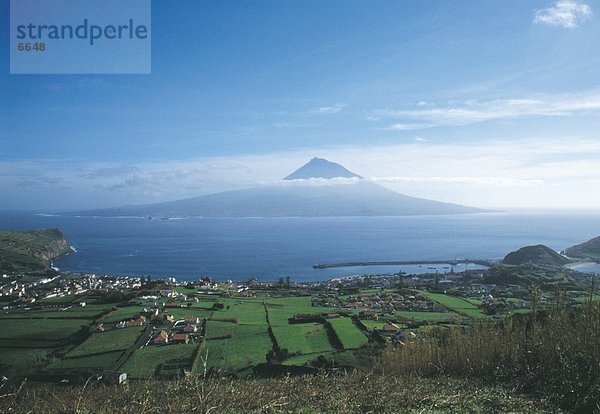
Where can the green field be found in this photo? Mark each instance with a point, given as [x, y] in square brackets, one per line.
[180, 313]
[303, 338]
[301, 359]
[248, 312]
[338, 359]
[21, 360]
[218, 329]
[247, 348]
[87, 312]
[113, 340]
[348, 333]
[456, 304]
[152, 359]
[123, 313]
[104, 361]
[426, 316]
[41, 329]
[373, 325]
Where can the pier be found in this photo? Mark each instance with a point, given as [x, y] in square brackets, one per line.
[482, 262]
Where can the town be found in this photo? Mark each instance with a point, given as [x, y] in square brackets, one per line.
[66, 327]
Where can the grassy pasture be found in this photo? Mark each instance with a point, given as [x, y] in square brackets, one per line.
[151, 359]
[123, 313]
[349, 334]
[87, 312]
[180, 313]
[426, 316]
[104, 361]
[247, 348]
[455, 303]
[305, 338]
[248, 312]
[113, 340]
[41, 329]
[218, 329]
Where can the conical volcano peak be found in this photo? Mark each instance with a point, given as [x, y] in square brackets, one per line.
[321, 168]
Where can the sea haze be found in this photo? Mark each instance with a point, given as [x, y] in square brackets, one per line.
[269, 248]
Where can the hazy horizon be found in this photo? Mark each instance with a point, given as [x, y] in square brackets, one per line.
[490, 105]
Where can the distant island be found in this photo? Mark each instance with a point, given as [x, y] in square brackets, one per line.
[319, 188]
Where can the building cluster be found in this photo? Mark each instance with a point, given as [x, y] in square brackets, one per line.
[179, 332]
[390, 302]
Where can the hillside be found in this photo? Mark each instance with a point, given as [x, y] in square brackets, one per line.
[30, 250]
[314, 190]
[538, 255]
[587, 250]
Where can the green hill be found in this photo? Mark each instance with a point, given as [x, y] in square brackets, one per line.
[587, 250]
[30, 250]
[538, 255]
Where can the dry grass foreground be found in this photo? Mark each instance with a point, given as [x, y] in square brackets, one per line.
[333, 393]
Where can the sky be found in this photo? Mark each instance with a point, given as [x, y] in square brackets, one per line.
[492, 104]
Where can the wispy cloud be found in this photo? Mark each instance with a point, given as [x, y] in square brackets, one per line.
[533, 172]
[487, 181]
[563, 13]
[475, 111]
[332, 109]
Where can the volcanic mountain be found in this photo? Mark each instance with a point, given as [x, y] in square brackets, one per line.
[321, 168]
[320, 188]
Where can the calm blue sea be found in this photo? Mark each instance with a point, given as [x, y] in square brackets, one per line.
[269, 248]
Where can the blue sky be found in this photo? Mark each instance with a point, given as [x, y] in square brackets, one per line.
[493, 104]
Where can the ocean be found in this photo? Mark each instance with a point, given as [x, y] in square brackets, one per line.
[270, 248]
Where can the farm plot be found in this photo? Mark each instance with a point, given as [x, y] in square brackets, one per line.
[427, 316]
[158, 360]
[303, 338]
[41, 329]
[348, 333]
[373, 325]
[219, 330]
[456, 304]
[113, 340]
[122, 313]
[180, 313]
[96, 362]
[19, 360]
[247, 347]
[247, 312]
[67, 312]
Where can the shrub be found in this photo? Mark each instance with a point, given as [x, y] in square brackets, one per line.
[555, 353]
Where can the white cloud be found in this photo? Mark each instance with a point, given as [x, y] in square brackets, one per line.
[473, 111]
[333, 109]
[407, 126]
[534, 172]
[564, 13]
[486, 181]
[315, 182]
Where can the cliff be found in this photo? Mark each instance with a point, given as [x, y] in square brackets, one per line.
[31, 250]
